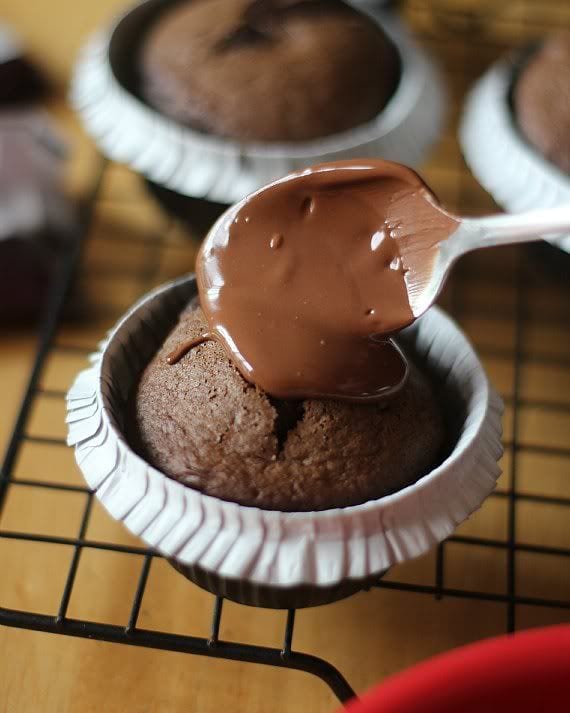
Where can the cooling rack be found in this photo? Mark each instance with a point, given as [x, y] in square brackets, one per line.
[514, 303]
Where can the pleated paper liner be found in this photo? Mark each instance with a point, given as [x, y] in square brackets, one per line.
[267, 557]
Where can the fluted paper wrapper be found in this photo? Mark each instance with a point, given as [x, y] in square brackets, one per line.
[272, 549]
[501, 159]
[224, 170]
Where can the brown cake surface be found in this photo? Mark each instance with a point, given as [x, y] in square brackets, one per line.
[268, 70]
[542, 100]
[201, 423]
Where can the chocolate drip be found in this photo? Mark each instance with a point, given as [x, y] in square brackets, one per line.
[182, 349]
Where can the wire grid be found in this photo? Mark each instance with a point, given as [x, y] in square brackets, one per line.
[513, 303]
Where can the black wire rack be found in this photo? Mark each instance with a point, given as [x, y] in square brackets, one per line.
[527, 289]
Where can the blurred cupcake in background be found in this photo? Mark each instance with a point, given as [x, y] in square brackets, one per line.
[36, 220]
[541, 100]
[515, 131]
[213, 99]
[20, 80]
[268, 70]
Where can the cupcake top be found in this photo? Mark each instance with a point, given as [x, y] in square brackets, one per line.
[542, 100]
[200, 422]
[268, 70]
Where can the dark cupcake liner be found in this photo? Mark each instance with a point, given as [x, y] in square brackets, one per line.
[259, 595]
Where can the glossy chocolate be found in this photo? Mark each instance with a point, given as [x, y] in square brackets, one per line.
[304, 281]
[182, 349]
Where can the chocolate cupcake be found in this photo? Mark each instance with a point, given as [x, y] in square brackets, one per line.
[266, 557]
[541, 100]
[268, 70]
[515, 129]
[286, 392]
[201, 423]
[277, 443]
[204, 139]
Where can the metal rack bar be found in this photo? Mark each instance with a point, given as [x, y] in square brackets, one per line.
[512, 501]
[288, 640]
[216, 621]
[74, 561]
[185, 644]
[72, 542]
[50, 486]
[137, 601]
[470, 594]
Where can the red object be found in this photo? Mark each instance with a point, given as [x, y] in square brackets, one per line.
[528, 672]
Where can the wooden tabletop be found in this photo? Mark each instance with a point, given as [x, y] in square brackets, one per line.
[132, 245]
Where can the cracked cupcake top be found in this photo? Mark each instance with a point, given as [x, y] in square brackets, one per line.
[201, 423]
[268, 70]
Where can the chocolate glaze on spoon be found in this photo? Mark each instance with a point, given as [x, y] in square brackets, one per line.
[302, 282]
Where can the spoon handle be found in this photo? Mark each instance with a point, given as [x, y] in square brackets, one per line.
[494, 230]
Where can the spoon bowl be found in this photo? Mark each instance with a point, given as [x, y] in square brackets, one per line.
[426, 273]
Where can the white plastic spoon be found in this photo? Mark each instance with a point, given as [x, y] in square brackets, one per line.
[426, 277]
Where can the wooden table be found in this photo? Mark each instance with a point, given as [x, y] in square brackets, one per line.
[367, 636]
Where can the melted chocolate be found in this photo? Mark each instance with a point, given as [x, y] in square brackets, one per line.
[182, 349]
[303, 282]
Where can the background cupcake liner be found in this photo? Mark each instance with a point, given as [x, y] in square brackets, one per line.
[224, 170]
[269, 547]
[513, 172]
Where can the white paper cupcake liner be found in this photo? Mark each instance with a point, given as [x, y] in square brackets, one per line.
[224, 170]
[505, 164]
[269, 547]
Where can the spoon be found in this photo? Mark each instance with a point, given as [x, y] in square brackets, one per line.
[425, 278]
[305, 282]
